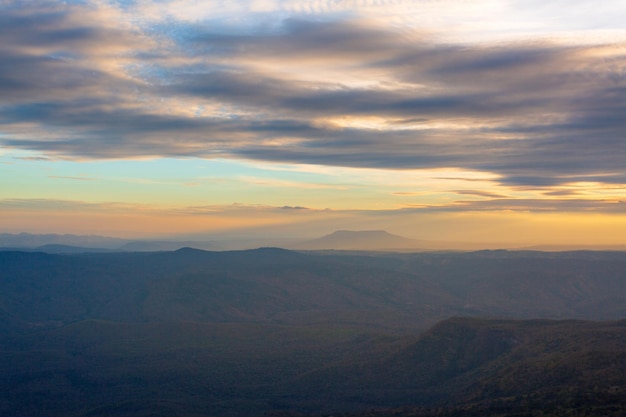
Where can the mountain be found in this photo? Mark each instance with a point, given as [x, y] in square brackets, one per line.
[55, 248]
[380, 240]
[494, 368]
[391, 291]
[28, 240]
[459, 367]
[359, 240]
[166, 245]
[266, 331]
[263, 285]
[54, 243]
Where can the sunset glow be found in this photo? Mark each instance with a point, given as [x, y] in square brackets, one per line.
[493, 122]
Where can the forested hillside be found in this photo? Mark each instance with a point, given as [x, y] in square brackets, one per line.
[194, 333]
[384, 291]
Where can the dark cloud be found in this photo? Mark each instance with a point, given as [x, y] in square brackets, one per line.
[53, 26]
[503, 204]
[536, 115]
[563, 205]
[561, 193]
[551, 205]
[297, 39]
[479, 193]
[34, 158]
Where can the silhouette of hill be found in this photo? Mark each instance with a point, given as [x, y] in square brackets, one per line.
[52, 248]
[162, 246]
[359, 240]
[29, 240]
[55, 243]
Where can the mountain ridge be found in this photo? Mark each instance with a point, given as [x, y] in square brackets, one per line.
[458, 367]
[392, 290]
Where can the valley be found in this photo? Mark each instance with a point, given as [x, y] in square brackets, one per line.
[273, 331]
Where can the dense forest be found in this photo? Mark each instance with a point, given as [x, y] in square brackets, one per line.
[283, 333]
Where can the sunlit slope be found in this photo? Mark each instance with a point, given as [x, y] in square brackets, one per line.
[98, 368]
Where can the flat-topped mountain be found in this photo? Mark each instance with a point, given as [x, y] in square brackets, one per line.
[359, 240]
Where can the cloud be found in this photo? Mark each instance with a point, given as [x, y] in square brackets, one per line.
[289, 214]
[68, 207]
[479, 193]
[562, 193]
[33, 158]
[551, 205]
[535, 114]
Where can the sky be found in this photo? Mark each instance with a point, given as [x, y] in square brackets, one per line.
[469, 121]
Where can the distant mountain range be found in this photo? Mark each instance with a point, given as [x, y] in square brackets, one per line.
[353, 240]
[29, 240]
[339, 240]
[54, 243]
